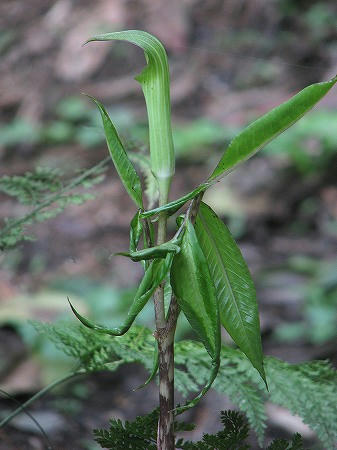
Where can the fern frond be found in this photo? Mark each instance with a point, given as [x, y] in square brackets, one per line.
[307, 390]
[93, 351]
[232, 380]
[30, 188]
[281, 444]
[140, 434]
[44, 191]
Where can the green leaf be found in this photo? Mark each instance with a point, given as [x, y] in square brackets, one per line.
[154, 370]
[175, 205]
[154, 275]
[156, 87]
[136, 230]
[159, 251]
[195, 292]
[267, 127]
[123, 165]
[234, 286]
[151, 185]
[141, 434]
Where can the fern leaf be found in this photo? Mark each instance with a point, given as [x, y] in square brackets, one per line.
[44, 192]
[231, 380]
[94, 351]
[138, 435]
[307, 390]
[30, 188]
[281, 444]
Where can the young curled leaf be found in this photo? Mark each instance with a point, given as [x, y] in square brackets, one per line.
[123, 165]
[154, 368]
[154, 275]
[195, 293]
[196, 400]
[159, 251]
[136, 230]
[234, 286]
[172, 207]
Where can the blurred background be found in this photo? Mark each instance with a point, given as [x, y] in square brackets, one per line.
[230, 61]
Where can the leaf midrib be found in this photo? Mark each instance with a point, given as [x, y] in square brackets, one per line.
[227, 278]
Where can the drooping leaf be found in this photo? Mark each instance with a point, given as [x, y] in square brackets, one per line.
[154, 275]
[156, 87]
[269, 126]
[195, 292]
[234, 286]
[123, 165]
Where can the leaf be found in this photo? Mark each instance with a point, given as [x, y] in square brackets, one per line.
[136, 230]
[159, 251]
[267, 127]
[281, 444]
[154, 275]
[195, 292]
[123, 165]
[140, 434]
[151, 184]
[234, 286]
[154, 370]
[156, 87]
[175, 205]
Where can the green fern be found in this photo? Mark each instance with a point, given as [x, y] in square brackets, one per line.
[93, 351]
[306, 389]
[232, 437]
[31, 188]
[45, 191]
[281, 444]
[232, 380]
[138, 435]
[141, 434]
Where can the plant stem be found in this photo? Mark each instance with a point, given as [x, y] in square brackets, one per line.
[165, 439]
[39, 394]
[159, 306]
[165, 330]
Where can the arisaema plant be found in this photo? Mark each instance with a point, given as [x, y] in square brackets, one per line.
[200, 271]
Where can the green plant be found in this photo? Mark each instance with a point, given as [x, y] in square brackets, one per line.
[199, 273]
[46, 194]
[142, 435]
[306, 389]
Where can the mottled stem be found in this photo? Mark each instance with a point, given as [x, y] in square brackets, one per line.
[165, 329]
[165, 337]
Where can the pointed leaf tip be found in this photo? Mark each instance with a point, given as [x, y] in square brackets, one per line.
[123, 165]
[234, 286]
[266, 128]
